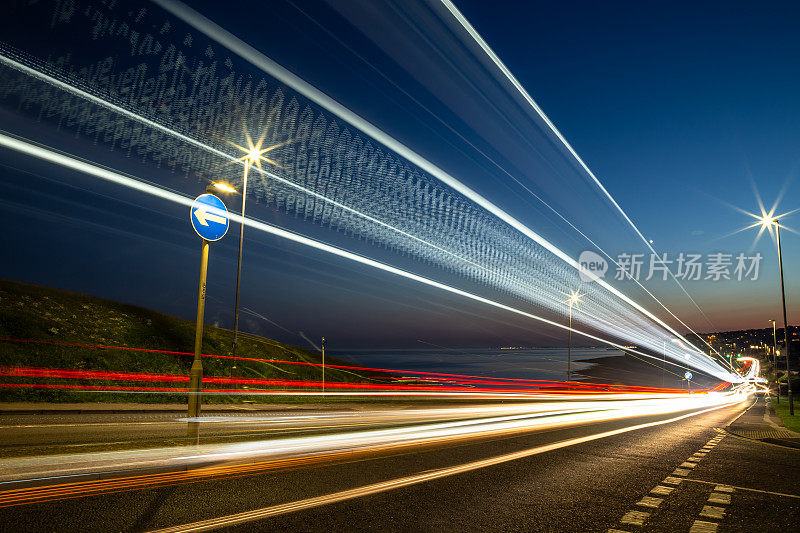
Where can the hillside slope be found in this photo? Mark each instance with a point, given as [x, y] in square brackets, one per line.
[40, 326]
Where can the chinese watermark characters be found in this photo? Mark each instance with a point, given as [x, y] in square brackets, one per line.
[716, 266]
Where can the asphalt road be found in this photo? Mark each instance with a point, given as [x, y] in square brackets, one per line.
[597, 485]
[34, 433]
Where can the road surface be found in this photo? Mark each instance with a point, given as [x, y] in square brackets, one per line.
[678, 476]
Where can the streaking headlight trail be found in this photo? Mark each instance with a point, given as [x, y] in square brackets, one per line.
[702, 363]
[441, 426]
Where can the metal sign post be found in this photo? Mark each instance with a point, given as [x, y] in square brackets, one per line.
[209, 218]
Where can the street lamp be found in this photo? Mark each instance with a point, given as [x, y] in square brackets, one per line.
[574, 299]
[766, 222]
[253, 155]
[664, 365]
[775, 358]
[323, 366]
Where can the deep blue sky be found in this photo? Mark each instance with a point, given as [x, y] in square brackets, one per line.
[677, 107]
[679, 110]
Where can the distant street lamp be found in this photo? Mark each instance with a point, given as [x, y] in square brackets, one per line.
[664, 365]
[574, 299]
[766, 222]
[323, 365]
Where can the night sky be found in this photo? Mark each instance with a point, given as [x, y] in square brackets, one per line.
[682, 112]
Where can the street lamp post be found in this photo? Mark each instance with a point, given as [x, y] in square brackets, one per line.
[323, 365]
[785, 322]
[664, 364]
[574, 299]
[775, 358]
[253, 155]
[569, 346]
[247, 163]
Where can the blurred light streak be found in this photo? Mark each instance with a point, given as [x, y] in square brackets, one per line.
[282, 453]
[404, 373]
[430, 384]
[261, 61]
[260, 514]
[625, 332]
[10, 62]
[142, 186]
[465, 24]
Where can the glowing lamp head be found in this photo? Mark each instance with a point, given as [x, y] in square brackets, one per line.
[223, 187]
[253, 154]
[767, 221]
[574, 298]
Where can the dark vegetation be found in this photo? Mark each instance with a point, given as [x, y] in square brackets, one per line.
[56, 317]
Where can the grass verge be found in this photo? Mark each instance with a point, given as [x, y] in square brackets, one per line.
[782, 410]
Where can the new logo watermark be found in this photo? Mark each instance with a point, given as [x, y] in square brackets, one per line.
[592, 266]
[686, 266]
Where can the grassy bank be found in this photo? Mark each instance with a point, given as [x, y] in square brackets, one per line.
[54, 319]
[782, 410]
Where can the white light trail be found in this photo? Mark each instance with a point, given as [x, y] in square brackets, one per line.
[622, 327]
[259, 60]
[141, 186]
[462, 20]
[442, 427]
[383, 486]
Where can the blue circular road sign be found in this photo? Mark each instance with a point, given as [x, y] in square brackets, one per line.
[688, 375]
[209, 217]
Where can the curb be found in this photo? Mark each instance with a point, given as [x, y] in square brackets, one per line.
[771, 441]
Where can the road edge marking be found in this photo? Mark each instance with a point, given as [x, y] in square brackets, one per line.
[266, 512]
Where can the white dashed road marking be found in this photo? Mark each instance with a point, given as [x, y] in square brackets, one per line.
[635, 518]
[720, 496]
[701, 526]
[662, 490]
[717, 497]
[650, 501]
[709, 511]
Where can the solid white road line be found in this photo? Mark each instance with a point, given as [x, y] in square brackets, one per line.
[731, 488]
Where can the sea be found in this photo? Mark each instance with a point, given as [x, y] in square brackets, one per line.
[517, 363]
